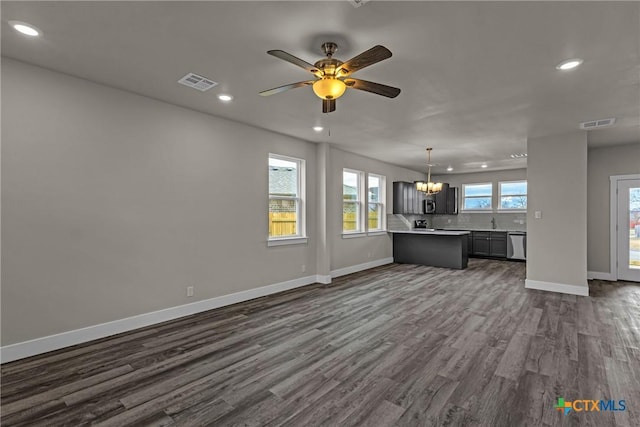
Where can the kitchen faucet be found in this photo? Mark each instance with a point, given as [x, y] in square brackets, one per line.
[493, 223]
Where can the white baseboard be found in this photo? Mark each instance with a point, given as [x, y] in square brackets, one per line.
[557, 287]
[599, 275]
[360, 267]
[324, 279]
[78, 336]
[36, 346]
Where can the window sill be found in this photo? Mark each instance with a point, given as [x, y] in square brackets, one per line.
[354, 235]
[476, 211]
[511, 211]
[288, 241]
[377, 233]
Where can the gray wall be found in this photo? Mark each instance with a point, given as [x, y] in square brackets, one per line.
[602, 163]
[359, 250]
[113, 203]
[475, 220]
[557, 186]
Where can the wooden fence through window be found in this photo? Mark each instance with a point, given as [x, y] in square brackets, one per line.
[284, 223]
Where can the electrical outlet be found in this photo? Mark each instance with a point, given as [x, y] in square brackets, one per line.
[368, 254]
[189, 291]
[303, 268]
[538, 214]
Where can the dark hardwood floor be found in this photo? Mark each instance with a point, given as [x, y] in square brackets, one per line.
[399, 345]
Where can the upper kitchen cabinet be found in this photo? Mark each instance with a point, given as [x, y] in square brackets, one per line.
[452, 201]
[406, 199]
[447, 200]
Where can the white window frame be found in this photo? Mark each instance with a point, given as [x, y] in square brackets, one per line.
[361, 213]
[382, 197]
[301, 236]
[500, 208]
[464, 197]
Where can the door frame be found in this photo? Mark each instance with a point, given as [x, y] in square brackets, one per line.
[613, 219]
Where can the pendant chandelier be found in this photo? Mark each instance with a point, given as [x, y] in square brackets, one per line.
[429, 187]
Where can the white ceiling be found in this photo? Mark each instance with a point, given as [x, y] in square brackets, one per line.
[477, 78]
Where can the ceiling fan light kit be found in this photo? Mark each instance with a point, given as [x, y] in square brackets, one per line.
[329, 88]
[331, 75]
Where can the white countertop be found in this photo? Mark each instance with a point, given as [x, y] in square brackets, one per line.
[431, 232]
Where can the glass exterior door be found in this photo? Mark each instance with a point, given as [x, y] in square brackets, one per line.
[629, 230]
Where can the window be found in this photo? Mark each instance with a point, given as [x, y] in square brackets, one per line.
[375, 200]
[513, 195]
[362, 211]
[477, 196]
[286, 197]
[352, 183]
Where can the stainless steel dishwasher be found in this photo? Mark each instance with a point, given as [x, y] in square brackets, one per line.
[517, 245]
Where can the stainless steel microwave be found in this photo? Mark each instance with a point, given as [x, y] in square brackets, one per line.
[430, 205]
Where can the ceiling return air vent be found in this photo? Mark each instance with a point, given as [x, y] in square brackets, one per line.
[358, 3]
[195, 81]
[598, 124]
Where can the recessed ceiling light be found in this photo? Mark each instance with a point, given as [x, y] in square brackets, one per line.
[569, 64]
[449, 169]
[484, 165]
[224, 97]
[24, 28]
[318, 128]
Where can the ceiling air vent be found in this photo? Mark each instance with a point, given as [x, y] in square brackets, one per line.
[597, 124]
[195, 81]
[358, 3]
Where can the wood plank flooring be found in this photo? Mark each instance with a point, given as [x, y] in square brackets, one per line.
[399, 345]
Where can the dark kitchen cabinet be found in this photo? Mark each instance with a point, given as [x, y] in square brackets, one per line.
[418, 207]
[399, 198]
[481, 243]
[447, 200]
[406, 199]
[498, 244]
[452, 201]
[489, 243]
[441, 199]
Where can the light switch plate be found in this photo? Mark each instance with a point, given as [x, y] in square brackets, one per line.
[538, 214]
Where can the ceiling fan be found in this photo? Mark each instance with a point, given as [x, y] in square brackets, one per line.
[332, 75]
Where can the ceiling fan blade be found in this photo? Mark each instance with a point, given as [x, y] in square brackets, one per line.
[285, 88]
[328, 105]
[377, 88]
[295, 61]
[369, 57]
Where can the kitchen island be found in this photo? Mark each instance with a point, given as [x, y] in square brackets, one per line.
[437, 248]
